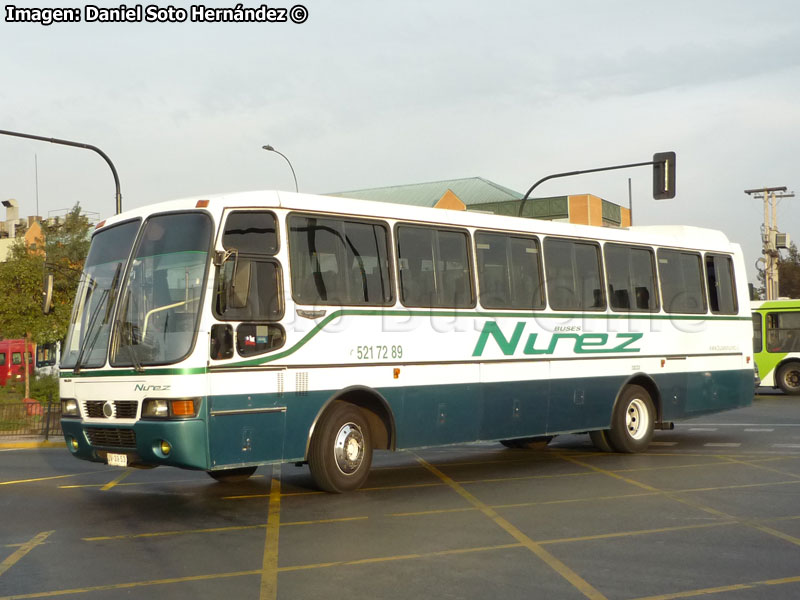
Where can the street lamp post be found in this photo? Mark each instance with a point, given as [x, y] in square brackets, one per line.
[269, 148]
[75, 145]
[771, 247]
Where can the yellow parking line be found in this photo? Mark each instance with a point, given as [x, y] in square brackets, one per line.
[269, 566]
[33, 480]
[723, 589]
[524, 504]
[116, 480]
[753, 463]
[650, 488]
[317, 493]
[672, 495]
[140, 483]
[398, 557]
[106, 538]
[635, 532]
[10, 561]
[523, 478]
[323, 521]
[212, 576]
[554, 563]
[129, 585]
[152, 534]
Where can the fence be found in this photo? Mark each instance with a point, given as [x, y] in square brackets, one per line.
[30, 418]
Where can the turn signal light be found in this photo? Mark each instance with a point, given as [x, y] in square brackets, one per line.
[183, 408]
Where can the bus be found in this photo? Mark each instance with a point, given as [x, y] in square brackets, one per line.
[12, 361]
[227, 332]
[776, 343]
[47, 358]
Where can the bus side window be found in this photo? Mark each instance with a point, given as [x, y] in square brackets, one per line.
[339, 262]
[434, 267]
[721, 286]
[783, 332]
[574, 280]
[2, 359]
[630, 271]
[758, 338]
[682, 288]
[509, 271]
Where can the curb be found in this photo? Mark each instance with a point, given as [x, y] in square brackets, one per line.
[27, 445]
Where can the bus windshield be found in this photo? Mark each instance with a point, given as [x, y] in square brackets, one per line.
[160, 299]
[90, 326]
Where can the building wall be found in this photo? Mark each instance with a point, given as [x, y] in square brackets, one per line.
[450, 201]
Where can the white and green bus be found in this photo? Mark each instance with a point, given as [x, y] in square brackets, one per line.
[776, 343]
[233, 331]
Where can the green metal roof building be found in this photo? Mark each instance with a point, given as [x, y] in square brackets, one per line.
[479, 194]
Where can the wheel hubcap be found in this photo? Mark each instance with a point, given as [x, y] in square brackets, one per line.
[637, 419]
[792, 378]
[348, 449]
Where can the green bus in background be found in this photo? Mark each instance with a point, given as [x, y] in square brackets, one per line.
[776, 343]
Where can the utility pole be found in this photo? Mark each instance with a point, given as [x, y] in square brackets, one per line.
[773, 241]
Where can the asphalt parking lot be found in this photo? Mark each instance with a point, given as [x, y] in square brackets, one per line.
[712, 509]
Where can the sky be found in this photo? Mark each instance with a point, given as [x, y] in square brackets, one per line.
[369, 94]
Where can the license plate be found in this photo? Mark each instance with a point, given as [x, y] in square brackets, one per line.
[117, 460]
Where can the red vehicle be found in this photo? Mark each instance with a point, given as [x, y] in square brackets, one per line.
[12, 360]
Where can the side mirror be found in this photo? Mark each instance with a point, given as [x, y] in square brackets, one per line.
[47, 294]
[239, 289]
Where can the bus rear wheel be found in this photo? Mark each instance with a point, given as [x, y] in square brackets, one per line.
[340, 453]
[232, 475]
[633, 421]
[789, 378]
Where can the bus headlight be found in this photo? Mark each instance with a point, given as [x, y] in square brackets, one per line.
[155, 408]
[69, 407]
[170, 408]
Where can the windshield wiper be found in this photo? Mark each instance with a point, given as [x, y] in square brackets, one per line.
[90, 327]
[104, 302]
[127, 336]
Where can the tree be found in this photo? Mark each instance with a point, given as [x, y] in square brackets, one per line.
[21, 305]
[788, 274]
[21, 276]
[66, 246]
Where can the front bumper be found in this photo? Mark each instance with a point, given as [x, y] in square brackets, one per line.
[141, 442]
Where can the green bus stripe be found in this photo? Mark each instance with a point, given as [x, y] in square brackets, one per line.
[405, 313]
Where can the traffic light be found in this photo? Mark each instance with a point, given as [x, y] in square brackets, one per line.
[663, 175]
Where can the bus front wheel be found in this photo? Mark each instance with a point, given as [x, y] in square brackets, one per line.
[340, 452]
[789, 378]
[633, 421]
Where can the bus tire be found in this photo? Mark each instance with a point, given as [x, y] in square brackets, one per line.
[633, 420]
[340, 453]
[789, 378]
[600, 440]
[232, 475]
